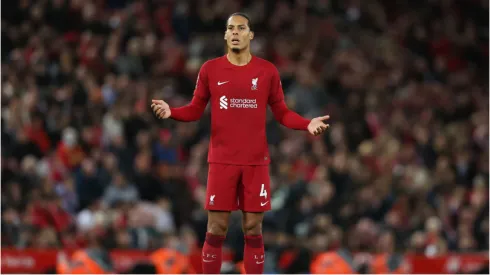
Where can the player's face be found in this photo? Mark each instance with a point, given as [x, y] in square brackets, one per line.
[238, 34]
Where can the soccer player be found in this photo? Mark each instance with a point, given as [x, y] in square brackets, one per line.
[239, 87]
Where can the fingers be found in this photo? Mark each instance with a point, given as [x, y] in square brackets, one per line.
[160, 113]
[320, 126]
[322, 118]
[158, 109]
[320, 129]
[155, 102]
[155, 107]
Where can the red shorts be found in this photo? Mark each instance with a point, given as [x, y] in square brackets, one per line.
[233, 187]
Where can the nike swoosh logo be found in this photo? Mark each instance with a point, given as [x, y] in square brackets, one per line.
[221, 83]
[207, 261]
[259, 262]
[264, 203]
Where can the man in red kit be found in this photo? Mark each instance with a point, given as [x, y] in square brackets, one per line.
[239, 87]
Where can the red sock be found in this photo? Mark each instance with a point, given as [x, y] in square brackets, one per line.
[211, 254]
[253, 256]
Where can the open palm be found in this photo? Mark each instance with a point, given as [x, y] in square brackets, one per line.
[317, 125]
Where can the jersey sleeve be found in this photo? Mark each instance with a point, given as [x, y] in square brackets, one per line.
[202, 87]
[279, 108]
[194, 110]
[276, 93]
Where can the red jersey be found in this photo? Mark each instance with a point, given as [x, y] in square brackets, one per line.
[239, 96]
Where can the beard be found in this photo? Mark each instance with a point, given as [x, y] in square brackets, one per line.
[235, 50]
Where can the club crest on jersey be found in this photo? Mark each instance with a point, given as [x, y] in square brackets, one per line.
[254, 83]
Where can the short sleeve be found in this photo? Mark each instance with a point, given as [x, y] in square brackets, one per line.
[202, 88]
[276, 93]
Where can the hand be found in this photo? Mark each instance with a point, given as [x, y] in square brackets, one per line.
[317, 127]
[160, 108]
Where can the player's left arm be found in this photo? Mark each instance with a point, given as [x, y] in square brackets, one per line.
[287, 117]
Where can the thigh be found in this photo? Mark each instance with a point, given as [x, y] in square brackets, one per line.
[221, 191]
[254, 192]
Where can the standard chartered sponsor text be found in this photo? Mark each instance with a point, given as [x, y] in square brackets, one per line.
[244, 103]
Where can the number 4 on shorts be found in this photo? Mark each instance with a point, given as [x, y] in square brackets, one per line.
[263, 193]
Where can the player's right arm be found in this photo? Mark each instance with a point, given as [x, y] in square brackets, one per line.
[192, 111]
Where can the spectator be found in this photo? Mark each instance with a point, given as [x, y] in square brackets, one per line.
[87, 218]
[120, 191]
[88, 185]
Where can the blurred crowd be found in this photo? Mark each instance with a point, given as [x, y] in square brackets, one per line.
[404, 166]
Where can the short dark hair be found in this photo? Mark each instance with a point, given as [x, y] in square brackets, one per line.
[242, 14]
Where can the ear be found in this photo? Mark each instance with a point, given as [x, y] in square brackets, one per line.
[224, 37]
[251, 35]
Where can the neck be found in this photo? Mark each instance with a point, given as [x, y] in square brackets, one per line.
[241, 58]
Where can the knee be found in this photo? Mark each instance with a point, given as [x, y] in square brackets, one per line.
[252, 227]
[217, 226]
